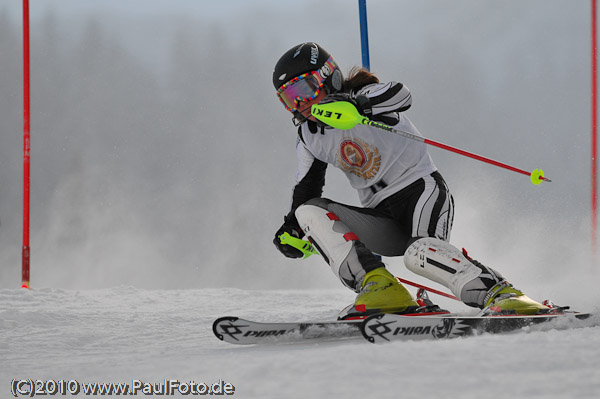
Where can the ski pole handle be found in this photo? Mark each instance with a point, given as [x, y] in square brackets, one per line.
[303, 246]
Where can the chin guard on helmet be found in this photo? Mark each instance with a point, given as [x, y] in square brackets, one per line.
[298, 118]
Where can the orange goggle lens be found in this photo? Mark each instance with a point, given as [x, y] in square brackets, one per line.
[305, 87]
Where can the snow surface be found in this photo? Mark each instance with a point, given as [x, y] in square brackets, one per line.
[124, 333]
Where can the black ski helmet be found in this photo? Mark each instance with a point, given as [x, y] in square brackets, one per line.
[303, 58]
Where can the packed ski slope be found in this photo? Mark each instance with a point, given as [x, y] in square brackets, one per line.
[124, 334]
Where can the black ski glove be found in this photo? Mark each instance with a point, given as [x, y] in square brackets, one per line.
[361, 102]
[292, 228]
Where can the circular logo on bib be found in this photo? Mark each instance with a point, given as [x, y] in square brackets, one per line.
[358, 158]
[352, 154]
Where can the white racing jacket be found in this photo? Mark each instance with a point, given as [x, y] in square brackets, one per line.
[377, 163]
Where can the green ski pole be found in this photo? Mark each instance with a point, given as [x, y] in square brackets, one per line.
[303, 246]
[344, 115]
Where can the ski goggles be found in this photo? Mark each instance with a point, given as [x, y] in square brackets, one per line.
[305, 87]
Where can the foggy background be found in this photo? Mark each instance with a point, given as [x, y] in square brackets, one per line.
[161, 157]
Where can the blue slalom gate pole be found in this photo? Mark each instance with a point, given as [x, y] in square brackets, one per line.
[364, 33]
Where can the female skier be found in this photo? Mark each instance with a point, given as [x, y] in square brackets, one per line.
[408, 208]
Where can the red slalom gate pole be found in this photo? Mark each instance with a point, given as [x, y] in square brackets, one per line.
[594, 128]
[26, 147]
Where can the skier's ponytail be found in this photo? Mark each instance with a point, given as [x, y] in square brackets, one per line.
[359, 78]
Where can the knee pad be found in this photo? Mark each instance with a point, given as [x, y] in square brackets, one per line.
[348, 258]
[443, 263]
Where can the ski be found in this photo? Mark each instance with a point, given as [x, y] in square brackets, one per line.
[382, 327]
[245, 332]
[390, 327]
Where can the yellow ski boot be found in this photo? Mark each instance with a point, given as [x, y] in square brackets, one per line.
[381, 293]
[505, 299]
